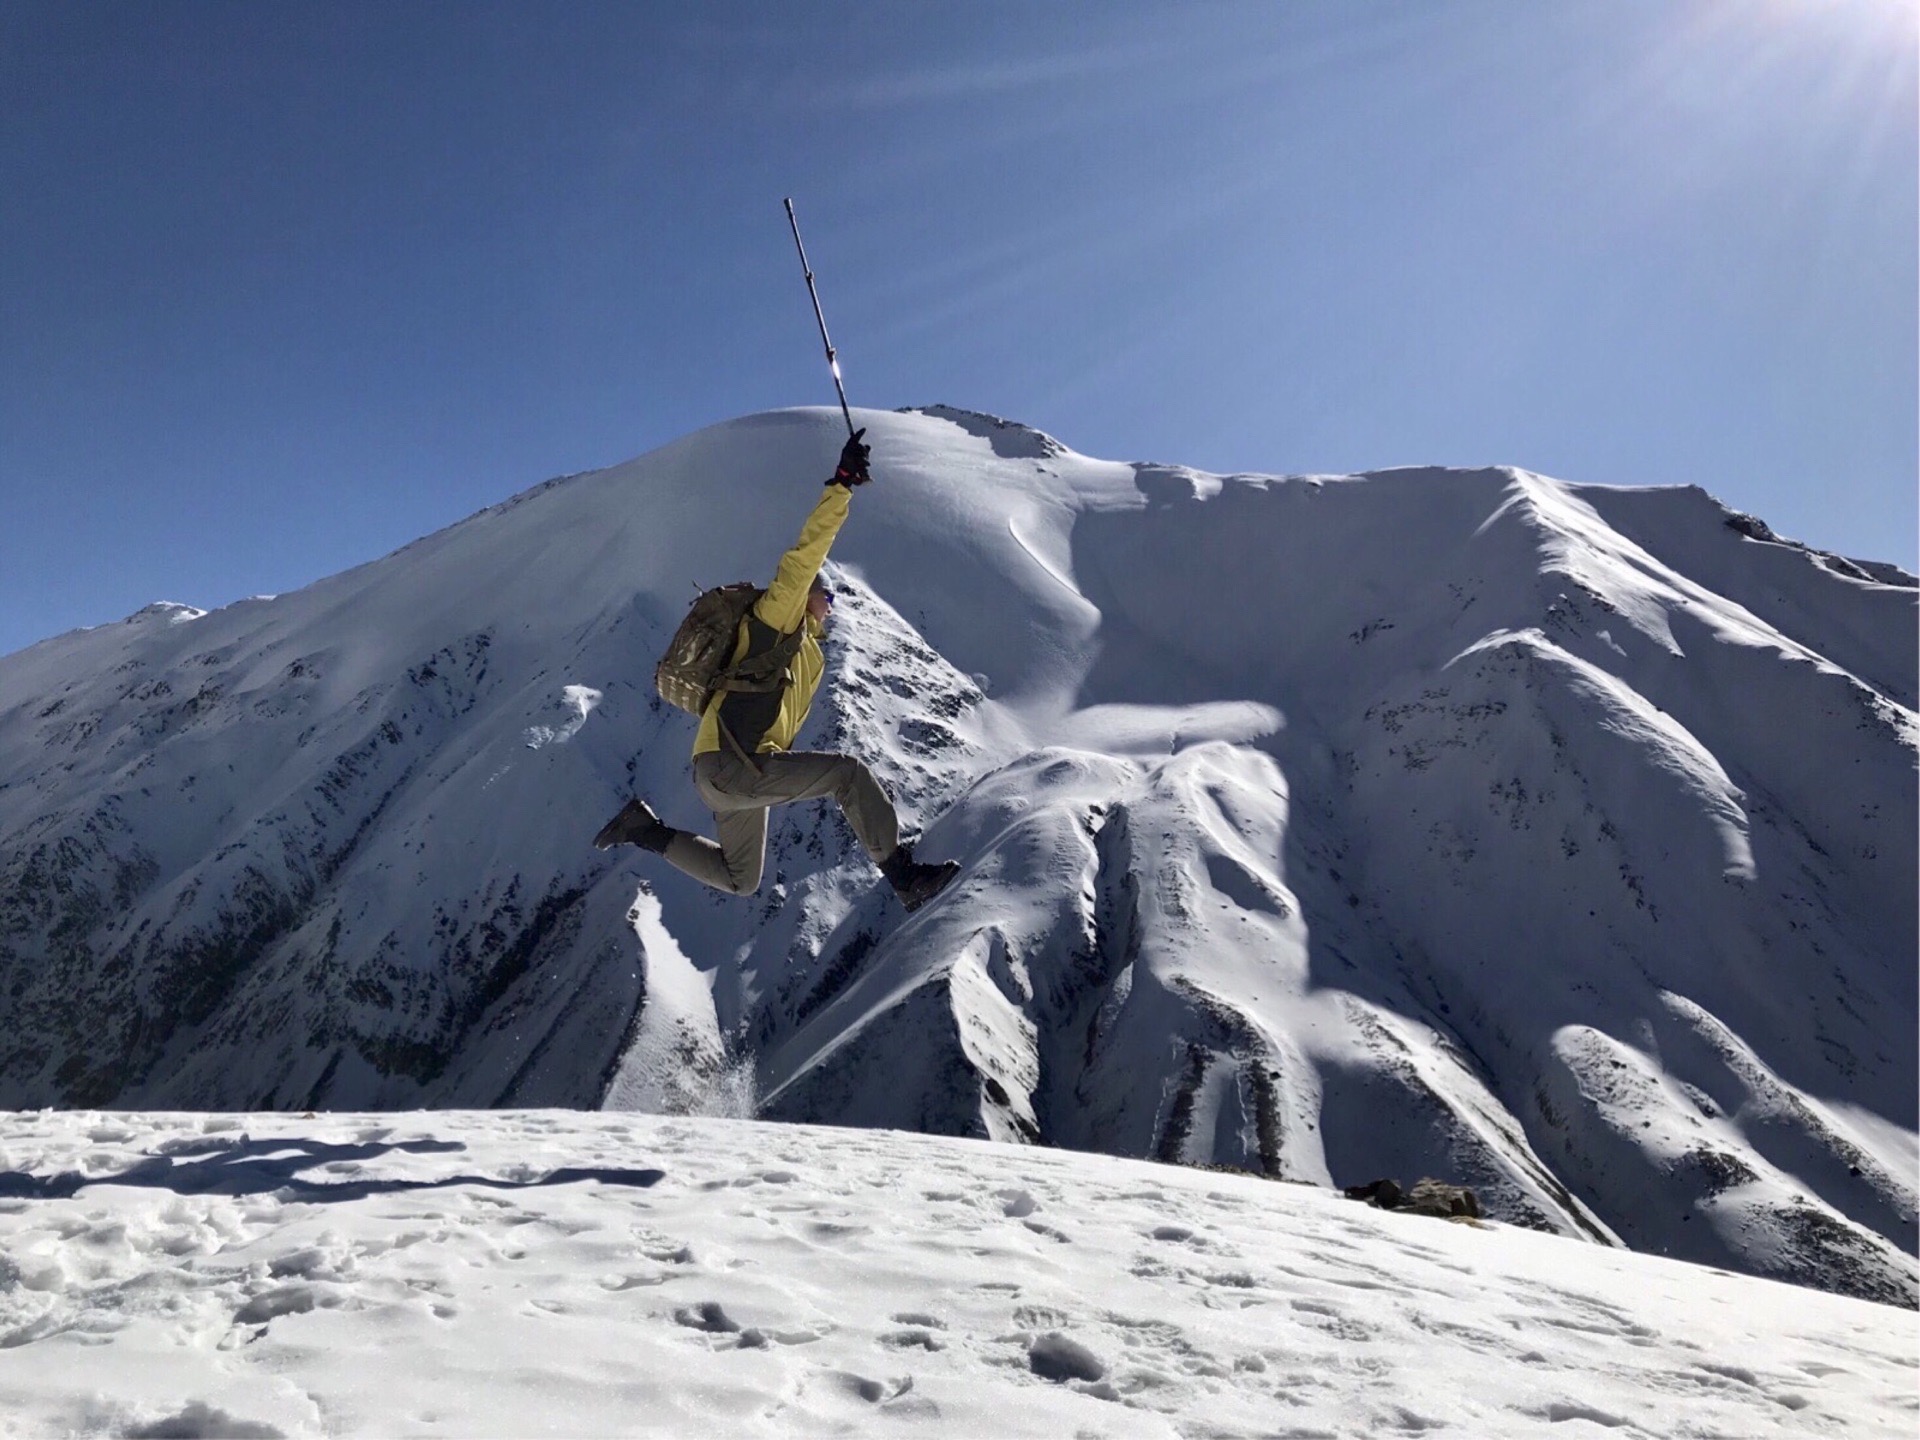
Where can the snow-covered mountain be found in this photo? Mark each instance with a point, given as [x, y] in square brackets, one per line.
[1555, 840]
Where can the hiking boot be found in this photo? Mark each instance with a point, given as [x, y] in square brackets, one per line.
[636, 824]
[913, 882]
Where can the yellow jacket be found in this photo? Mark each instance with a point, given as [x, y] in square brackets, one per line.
[779, 612]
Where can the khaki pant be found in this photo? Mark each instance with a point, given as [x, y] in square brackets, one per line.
[739, 799]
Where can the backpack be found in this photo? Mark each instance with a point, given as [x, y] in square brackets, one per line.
[695, 668]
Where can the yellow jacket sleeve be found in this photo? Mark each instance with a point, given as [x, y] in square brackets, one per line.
[785, 603]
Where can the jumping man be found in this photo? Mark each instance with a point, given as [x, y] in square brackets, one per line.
[742, 760]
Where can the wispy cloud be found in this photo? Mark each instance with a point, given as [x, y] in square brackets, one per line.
[972, 79]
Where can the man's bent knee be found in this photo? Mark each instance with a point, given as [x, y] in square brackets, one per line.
[742, 882]
[709, 864]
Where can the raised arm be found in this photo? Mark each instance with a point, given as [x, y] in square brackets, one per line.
[785, 603]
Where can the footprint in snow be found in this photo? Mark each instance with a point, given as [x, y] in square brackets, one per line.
[762, 1177]
[666, 1251]
[874, 1392]
[1562, 1412]
[1040, 1317]
[272, 1304]
[708, 1316]
[834, 1230]
[1234, 1279]
[913, 1339]
[1059, 1357]
[200, 1418]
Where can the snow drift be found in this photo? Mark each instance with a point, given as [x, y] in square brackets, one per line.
[1556, 840]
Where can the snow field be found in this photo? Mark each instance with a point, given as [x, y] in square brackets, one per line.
[523, 1273]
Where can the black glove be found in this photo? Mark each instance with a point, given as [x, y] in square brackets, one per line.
[853, 462]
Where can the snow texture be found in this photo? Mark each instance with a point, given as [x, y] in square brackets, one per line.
[545, 1272]
[1553, 840]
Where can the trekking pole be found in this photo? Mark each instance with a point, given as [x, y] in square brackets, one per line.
[833, 361]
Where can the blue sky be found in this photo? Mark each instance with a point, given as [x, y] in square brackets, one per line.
[285, 286]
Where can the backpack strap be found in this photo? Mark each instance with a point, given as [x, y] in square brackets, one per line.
[758, 674]
[726, 734]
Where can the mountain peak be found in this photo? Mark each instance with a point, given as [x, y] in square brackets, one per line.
[170, 612]
[1010, 439]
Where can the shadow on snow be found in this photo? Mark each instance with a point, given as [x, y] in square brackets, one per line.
[273, 1166]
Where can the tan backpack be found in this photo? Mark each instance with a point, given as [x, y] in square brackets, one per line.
[695, 668]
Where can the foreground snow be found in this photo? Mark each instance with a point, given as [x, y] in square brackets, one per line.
[552, 1272]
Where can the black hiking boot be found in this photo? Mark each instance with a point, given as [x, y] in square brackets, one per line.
[913, 882]
[636, 824]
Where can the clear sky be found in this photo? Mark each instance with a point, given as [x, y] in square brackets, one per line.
[285, 286]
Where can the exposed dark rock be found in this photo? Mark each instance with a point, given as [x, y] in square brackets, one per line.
[1427, 1197]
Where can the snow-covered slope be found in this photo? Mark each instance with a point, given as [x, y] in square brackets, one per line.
[1559, 841]
[548, 1273]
